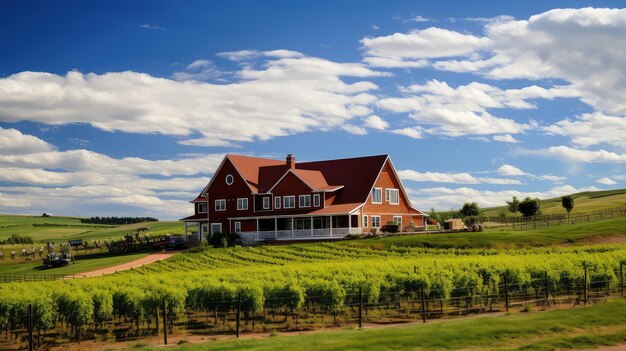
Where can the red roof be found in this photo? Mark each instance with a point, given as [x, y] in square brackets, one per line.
[199, 216]
[355, 176]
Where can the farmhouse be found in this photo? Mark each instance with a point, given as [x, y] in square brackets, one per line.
[270, 200]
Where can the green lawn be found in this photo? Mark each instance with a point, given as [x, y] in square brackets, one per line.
[581, 233]
[58, 229]
[583, 202]
[84, 263]
[600, 325]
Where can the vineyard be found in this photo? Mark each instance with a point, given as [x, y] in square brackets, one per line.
[299, 287]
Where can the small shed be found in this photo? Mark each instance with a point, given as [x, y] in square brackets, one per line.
[454, 224]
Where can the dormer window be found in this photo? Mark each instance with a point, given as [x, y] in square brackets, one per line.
[266, 203]
[316, 200]
[304, 201]
[229, 179]
[202, 207]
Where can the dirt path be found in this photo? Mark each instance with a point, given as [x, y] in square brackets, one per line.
[126, 266]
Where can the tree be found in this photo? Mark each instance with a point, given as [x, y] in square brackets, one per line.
[513, 205]
[529, 207]
[469, 209]
[434, 215]
[568, 203]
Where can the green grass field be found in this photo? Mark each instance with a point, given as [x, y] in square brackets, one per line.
[589, 327]
[583, 202]
[581, 233]
[58, 229]
[84, 263]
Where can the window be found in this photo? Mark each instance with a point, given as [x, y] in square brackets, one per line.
[242, 203]
[220, 205]
[277, 203]
[304, 201]
[377, 196]
[202, 207]
[398, 219]
[237, 227]
[316, 200]
[229, 179]
[375, 221]
[391, 196]
[289, 201]
[266, 202]
[365, 221]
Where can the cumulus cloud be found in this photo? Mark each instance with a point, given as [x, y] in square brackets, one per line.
[201, 69]
[592, 129]
[458, 178]
[512, 171]
[375, 122]
[290, 94]
[13, 142]
[576, 155]
[464, 110]
[505, 138]
[606, 181]
[443, 198]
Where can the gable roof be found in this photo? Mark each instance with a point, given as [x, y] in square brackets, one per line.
[248, 167]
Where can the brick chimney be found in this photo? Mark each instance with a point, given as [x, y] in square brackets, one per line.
[291, 161]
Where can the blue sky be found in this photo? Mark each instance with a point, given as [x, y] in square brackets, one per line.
[126, 108]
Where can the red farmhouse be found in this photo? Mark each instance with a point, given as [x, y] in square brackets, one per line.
[265, 200]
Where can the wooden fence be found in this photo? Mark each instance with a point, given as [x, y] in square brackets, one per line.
[580, 217]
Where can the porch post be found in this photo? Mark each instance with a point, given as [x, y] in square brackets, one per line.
[311, 226]
[257, 228]
[275, 227]
[292, 225]
[186, 238]
[331, 226]
[349, 223]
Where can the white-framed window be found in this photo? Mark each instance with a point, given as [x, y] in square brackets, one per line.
[229, 179]
[242, 203]
[304, 201]
[289, 201]
[316, 200]
[365, 224]
[237, 227]
[202, 207]
[277, 202]
[375, 221]
[266, 202]
[392, 196]
[377, 195]
[398, 219]
[220, 205]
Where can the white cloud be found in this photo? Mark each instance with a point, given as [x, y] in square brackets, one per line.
[606, 181]
[13, 142]
[458, 178]
[509, 170]
[443, 198]
[419, 19]
[421, 44]
[592, 129]
[352, 129]
[150, 26]
[464, 110]
[414, 133]
[577, 155]
[290, 94]
[375, 122]
[200, 70]
[506, 138]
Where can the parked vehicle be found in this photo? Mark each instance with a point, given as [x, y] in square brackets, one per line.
[170, 243]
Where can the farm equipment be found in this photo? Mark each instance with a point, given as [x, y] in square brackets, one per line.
[53, 259]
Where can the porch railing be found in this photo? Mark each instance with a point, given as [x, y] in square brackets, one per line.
[249, 237]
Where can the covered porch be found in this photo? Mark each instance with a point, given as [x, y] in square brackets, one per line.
[302, 228]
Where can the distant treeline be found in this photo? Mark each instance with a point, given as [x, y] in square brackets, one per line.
[118, 220]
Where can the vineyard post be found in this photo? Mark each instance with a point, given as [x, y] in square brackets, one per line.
[30, 327]
[586, 295]
[545, 282]
[360, 307]
[156, 310]
[423, 303]
[164, 323]
[506, 292]
[621, 278]
[238, 313]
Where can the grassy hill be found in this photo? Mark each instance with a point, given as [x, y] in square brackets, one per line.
[583, 202]
[57, 229]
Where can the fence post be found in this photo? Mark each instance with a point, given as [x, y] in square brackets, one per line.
[30, 327]
[423, 303]
[506, 292]
[360, 307]
[156, 313]
[238, 313]
[164, 323]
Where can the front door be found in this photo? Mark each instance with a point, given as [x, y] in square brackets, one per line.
[204, 230]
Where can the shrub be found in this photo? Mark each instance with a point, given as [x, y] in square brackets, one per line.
[219, 239]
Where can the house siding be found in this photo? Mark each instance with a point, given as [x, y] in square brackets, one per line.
[220, 190]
